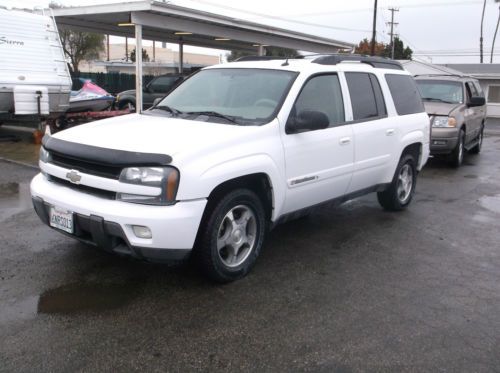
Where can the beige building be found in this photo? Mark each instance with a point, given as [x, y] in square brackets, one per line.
[161, 60]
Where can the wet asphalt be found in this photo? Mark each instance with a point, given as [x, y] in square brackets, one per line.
[344, 290]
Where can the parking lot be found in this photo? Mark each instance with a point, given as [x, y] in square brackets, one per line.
[349, 289]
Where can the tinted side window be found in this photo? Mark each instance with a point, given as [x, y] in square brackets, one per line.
[162, 84]
[322, 93]
[379, 97]
[405, 94]
[366, 96]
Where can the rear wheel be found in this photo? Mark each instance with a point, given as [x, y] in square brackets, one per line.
[400, 192]
[457, 155]
[477, 148]
[231, 236]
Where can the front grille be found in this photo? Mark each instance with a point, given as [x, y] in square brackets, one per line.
[111, 172]
[84, 188]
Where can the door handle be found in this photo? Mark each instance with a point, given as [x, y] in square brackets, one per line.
[345, 140]
[390, 132]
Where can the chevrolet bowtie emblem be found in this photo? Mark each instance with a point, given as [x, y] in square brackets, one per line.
[74, 176]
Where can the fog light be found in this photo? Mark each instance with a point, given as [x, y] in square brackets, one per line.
[142, 231]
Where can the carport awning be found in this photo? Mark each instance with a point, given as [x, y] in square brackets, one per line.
[161, 21]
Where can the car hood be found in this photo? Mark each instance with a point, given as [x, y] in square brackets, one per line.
[156, 134]
[439, 108]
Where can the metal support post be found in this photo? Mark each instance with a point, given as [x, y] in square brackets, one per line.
[138, 68]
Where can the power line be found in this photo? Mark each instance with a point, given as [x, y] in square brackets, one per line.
[409, 6]
[279, 18]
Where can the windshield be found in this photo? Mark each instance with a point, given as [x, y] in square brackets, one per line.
[441, 91]
[233, 96]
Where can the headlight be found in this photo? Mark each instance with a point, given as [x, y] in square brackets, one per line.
[442, 121]
[44, 155]
[166, 178]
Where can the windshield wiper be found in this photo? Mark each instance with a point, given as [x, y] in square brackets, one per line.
[213, 114]
[437, 99]
[169, 109]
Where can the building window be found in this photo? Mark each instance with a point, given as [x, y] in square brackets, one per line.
[494, 94]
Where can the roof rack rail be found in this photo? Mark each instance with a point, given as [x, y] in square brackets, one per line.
[377, 62]
[260, 58]
[444, 74]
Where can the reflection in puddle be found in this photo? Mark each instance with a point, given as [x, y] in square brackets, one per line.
[86, 297]
[14, 198]
[491, 203]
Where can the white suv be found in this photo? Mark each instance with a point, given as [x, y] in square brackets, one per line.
[233, 151]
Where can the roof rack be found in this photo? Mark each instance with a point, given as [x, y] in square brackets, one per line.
[444, 74]
[260, 58]
[377, 62]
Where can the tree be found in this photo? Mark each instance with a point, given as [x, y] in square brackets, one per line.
[400, 51]
[364, 47]
[384, 50]
[79, 46]
[145, 56]
[270, 51]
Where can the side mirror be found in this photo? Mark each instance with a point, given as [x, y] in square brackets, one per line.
[476, 101]
[156, 101]
[148, 89]
[307, 120]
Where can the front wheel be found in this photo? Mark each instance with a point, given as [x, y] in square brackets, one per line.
[231, 236]
[400, 192]
[126, 105]
[457, 155]
[477, 148]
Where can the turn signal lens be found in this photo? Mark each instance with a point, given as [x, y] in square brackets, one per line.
[172, 184]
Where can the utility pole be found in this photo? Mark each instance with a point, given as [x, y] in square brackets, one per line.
[481, 37]
[495, 36]
[392, 23]
[374, 29]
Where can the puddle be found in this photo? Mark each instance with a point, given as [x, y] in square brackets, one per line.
[14, 198]
[86, 297]
[491, 203]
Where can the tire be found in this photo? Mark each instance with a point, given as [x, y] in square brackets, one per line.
[477, 149]
[59, 124]
[399, 194]
[231, 236]
[122, 105]
[457, 155]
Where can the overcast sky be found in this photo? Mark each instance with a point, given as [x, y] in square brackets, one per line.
[441, 31]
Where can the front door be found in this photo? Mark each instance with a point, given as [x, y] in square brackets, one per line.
[319, 163]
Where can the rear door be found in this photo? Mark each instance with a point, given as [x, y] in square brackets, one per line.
[318, 163]
[375, 136]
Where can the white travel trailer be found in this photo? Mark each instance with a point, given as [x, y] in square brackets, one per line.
[34, 76]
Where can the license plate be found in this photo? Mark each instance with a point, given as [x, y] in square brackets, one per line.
[61, 219]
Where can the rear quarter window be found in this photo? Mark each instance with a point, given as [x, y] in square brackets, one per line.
[405, 94]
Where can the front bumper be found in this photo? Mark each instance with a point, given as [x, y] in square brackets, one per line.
[108, 223]
[443, 140]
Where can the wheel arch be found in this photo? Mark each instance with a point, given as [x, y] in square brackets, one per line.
[260, 183]
[415, 150]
